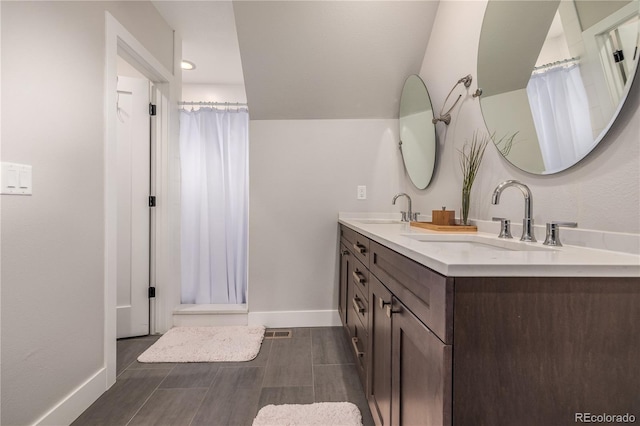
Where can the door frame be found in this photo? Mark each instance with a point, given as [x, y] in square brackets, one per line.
[597, 69]
[120, 42]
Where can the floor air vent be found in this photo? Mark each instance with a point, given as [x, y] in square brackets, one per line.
[277, 334]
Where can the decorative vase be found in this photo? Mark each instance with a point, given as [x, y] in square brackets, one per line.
[466, 202]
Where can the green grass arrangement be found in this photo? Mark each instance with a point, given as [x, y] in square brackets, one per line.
[505, 143]
[471, 156]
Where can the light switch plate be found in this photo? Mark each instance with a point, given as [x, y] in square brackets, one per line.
[16, 179]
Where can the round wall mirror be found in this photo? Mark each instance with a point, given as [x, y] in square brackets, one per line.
[554, 76]
[417, 132]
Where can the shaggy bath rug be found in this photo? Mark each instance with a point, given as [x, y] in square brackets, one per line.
[318, 414]
[206, 344]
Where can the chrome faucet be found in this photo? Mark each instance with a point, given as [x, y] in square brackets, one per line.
[409, 215]
[553, 232]
[527, 222]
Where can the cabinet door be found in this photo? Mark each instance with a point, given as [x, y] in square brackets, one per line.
[420, 372]
[345, 273]
[379, 383]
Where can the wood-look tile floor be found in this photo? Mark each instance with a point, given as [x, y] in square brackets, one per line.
[314, 365]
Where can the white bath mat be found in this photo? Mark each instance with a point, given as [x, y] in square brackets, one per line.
[206, 344]
[318, 414]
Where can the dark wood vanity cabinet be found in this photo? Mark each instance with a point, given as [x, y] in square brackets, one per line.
[410, 366]
[514, 351]
[357, 318]
[420, 371]
[542, 350]
[353, 294]
[405, 368]
[343, 300]
[409, 381]
[379, 383]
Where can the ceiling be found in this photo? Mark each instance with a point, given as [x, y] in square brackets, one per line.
[208, 31]
[306, 59]
[516, 28]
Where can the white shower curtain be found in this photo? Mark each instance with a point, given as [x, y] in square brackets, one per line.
[214, 170]
[561, 116]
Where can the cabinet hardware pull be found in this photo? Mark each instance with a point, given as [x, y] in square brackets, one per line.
[357, 306]
[354, 342]
[344, 252]
[360, 279]
[390, 311]
[382, 303]
[359, 248]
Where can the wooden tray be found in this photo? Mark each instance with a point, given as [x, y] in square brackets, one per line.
[445, 228]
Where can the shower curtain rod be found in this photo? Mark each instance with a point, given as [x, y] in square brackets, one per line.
[551, 64]
[225, 104]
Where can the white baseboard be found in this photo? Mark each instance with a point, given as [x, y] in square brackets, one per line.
[278, 319]
[209, 315]
[208, 319]
[205, 315]
[191, 309]
[74, 404]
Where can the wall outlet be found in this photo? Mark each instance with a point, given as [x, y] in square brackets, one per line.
[362, 192]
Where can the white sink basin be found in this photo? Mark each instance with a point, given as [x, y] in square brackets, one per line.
[466, 242]
[381, 222]
[465, 246]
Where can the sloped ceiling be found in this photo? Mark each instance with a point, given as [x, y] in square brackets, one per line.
[330, 59]
[513, 33]
[208, 33]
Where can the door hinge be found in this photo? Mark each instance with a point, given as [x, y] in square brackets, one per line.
[152, 109]
[152, 292]
[618, 56]
[152, 200]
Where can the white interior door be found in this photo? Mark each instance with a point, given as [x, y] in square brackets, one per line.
[134, 170]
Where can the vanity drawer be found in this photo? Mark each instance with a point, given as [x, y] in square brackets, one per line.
[359, 345]
[359, 307]
[426, 293]
[357, 243]
[359, 278]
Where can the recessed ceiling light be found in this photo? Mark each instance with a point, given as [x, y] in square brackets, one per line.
[187, 65]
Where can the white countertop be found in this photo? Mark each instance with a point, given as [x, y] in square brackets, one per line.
[484, 254]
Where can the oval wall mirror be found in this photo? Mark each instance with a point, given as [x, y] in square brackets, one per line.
[554, 76]
[417, 132]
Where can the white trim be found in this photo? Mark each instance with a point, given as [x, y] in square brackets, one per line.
[168, 190]
[207, 315]
[209, 319]
[67, 410]
[597, 69]
[0, 204]
[120, 42]
[165, 245]
[329, 318]
[210, 309]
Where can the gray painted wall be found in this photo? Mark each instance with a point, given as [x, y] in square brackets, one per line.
[601, 193]
[303, 172]
[52, 242]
